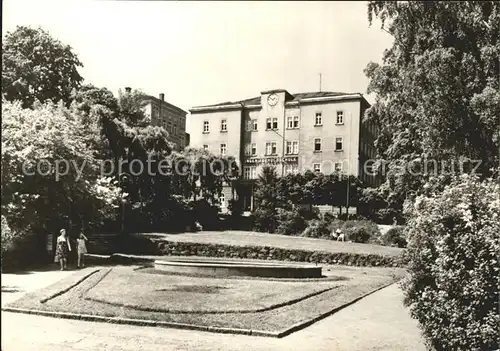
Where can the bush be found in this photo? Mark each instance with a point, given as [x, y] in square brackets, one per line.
[206, 214]
[328, 217]
[235, 207]
[452, 286]
[20, 248]
[264, 220]
[7, 236]
[309, 213]
[359, 231]
[395, 237]
[316, 229]
[290, 222]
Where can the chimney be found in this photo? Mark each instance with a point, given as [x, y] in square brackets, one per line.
[162, 97]
[128, 89]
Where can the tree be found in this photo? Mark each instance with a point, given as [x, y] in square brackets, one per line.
[50, 176]
[453, 265]
[131, 108]
[89, 96]
[266, 198]
[35, 66]
[437, 91]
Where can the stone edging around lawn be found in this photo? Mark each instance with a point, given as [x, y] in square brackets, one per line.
[178, 248]
[152, 323]
[63, 291]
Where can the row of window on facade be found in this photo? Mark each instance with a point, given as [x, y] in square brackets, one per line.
[250, 172]
[292, 147]
[292, 122]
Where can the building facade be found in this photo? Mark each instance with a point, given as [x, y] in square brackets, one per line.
[170, 117]
[321, 132]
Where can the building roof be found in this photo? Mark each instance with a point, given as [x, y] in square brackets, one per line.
[296, 97]
[178, 109]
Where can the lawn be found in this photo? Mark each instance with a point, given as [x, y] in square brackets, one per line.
[181, 294]
[264, 305]
[243, 238]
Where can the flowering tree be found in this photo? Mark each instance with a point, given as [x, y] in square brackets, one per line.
[49, 172]
[452, 287]
[36, 66]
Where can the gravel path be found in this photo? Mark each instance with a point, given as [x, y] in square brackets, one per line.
[377, 322]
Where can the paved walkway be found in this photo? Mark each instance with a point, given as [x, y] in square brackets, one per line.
[377, 322]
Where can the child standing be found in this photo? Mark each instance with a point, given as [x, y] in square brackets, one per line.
[82, 250]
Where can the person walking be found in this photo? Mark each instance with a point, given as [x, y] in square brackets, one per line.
[82, 250]
[62, 249]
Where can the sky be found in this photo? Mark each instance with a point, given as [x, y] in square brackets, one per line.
[201, 53]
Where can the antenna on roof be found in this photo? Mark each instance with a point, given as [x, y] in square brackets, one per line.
[320, 82]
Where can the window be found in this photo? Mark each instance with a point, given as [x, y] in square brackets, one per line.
[292, 147]
[223, 125]
[271, 148]
[271, 123]
[291, 169]
[251, 149]
[338, 144]
[338, 166]
[175, 129]
[250, 172]
[317, 167]
[205, 147]
[292, 122]
[251, 125]
[170, 127]
[317, 145]
[223, 149]
[340, 117]
[318, 121]
[206, 127]
[246, 172]
[253, 172]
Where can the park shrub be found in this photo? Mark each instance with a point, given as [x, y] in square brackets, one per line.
[317, 228]
[452, 256]
[20, 247]
[206, 214]
[395, 237]
[290, 222]
[178, 248]
[328, 217]
[357, 234]
[359, 231]
[235, 207]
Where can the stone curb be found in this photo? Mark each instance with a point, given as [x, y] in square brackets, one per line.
[63, 291]
[141, 322]
[152, 323]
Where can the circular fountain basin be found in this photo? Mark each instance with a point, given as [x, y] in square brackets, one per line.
[221, 268]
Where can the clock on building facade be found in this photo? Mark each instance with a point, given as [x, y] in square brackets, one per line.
[272, 99]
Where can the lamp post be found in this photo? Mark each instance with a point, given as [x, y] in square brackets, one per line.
[348, 166]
